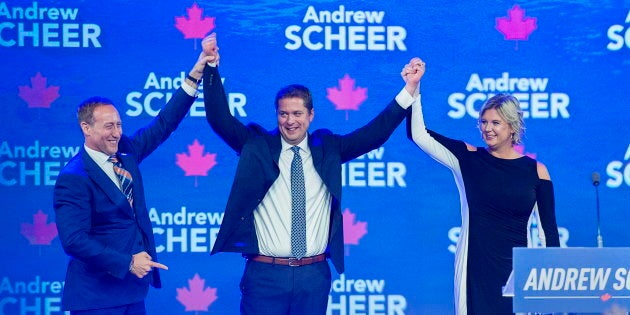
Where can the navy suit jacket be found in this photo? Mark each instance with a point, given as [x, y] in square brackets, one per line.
[97, 226]
[257, 168]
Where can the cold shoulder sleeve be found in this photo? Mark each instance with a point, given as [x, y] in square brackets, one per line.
[547, 227]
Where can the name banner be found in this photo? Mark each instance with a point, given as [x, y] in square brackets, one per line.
[571, 279]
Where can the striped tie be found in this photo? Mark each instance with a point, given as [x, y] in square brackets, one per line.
[124, 177]
[298, 206]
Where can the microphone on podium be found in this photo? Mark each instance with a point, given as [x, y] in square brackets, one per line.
[595, 180]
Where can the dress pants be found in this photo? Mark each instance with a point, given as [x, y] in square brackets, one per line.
[271, 289]
[137, 308]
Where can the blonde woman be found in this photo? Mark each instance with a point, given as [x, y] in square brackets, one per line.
[499, 189]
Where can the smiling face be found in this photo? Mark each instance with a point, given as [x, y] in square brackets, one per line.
[495, 130]
[103, 132]
[293, 119]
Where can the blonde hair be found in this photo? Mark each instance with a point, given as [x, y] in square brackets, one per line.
[509, 109]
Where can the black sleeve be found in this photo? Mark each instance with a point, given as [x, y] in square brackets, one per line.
[546, 210]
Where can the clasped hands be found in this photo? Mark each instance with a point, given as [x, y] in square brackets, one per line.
[209, 55]
[412, 73]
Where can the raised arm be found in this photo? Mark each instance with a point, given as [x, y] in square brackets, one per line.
[412, 73]
[146, 139]
[218, 114]
[380, 128]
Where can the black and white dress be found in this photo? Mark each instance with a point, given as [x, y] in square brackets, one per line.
[498, 197]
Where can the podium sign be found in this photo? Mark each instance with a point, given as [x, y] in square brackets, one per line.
[571, 279]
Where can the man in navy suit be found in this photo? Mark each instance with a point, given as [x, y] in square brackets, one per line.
[107, 234]
[258, 217]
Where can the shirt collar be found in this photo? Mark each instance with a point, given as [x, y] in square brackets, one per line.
[99, 157]
[303, 145]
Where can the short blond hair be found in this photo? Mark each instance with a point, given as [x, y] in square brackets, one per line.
[509, 109]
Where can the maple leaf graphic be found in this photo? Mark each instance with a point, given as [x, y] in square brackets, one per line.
[196, 163]
[521, 149]
[197, 298]
[40, 232]
[352, 231]
[347, 96]
[194, 26]
[38, 95]
[516, 26]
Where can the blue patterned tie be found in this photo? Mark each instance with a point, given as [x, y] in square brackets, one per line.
[124, 177]
[298, 205]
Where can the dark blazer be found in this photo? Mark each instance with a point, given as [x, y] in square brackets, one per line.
[257, 168]
[97, 226]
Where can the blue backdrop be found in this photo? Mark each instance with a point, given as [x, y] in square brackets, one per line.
[568, 62]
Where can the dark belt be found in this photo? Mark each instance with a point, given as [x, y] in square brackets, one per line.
[293, 262]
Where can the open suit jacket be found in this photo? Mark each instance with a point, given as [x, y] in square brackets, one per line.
[97, 226]
[258, 166]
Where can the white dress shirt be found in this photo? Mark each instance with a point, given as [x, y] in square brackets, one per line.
[272, 217]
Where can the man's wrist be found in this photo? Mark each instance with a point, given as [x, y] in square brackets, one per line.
[193, 80]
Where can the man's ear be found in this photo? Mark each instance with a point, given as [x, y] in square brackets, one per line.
[85, 127]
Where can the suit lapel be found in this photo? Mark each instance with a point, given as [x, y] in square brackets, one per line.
[317, 153]
[275, 145]
[103, 181]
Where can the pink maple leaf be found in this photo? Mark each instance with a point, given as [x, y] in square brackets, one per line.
[606, 297]
[516, 26]
[40, 232]
[347, 97]
[199, 297]
[194, 26]
[521, 149]
[197, 163]
[38, 95]
[352, 231]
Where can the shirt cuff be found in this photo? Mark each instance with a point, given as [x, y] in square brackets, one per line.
[404, 99]
[191, 91]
